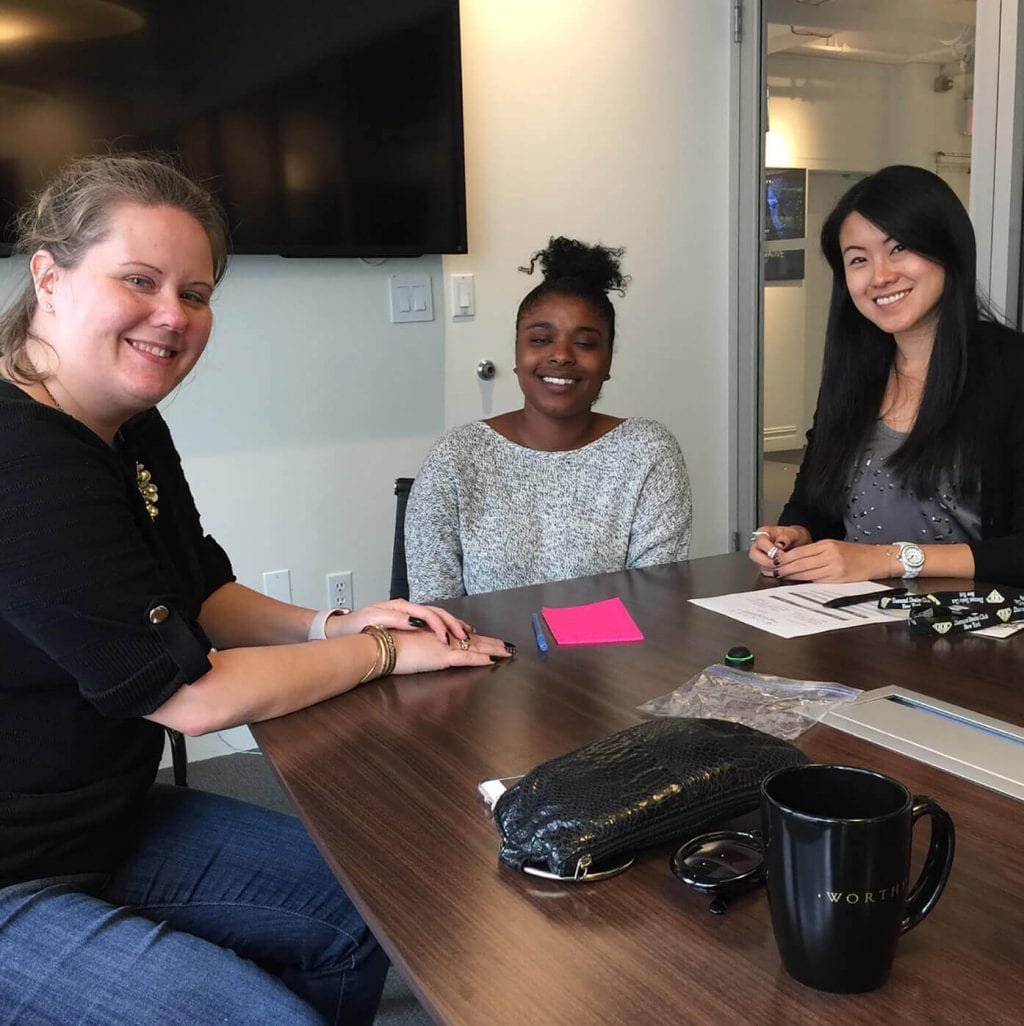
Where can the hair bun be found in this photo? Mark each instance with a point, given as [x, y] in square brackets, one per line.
[596, 265]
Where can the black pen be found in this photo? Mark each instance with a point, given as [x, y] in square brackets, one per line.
[853, 600]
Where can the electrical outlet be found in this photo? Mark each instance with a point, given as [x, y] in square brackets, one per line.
[339, 589]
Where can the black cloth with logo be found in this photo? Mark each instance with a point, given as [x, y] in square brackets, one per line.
[82, 565]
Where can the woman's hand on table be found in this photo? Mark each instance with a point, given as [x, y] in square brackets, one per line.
[835, 562]
[771, 540]
[426, 637]
[401, 615]
[420, 651]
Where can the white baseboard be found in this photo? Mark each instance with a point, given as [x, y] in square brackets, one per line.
[786, 436]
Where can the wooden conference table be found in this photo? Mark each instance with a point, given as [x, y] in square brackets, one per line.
[386, 777]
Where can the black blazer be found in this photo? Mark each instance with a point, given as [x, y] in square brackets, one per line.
[999, 553]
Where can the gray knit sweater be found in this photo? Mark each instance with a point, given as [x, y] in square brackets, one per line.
[486, 514]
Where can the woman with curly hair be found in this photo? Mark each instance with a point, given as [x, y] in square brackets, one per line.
[554, 490]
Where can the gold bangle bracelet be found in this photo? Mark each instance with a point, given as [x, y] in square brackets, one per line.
[388, 653]
[392, 654]
[371, 672]
[379, 659]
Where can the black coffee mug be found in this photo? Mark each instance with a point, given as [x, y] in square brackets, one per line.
[837, 866]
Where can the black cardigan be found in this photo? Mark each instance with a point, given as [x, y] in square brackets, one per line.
[81, 659]
[999, 554]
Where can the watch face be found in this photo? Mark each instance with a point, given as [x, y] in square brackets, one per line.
[912, 556]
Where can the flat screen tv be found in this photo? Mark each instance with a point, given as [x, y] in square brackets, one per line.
[326, 127]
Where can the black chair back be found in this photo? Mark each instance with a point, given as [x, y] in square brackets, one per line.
[399, 578]
[179, 756]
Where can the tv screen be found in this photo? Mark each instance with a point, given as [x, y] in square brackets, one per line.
[326, 127]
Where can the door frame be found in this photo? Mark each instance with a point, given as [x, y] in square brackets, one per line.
[997, 177]
[746, 317]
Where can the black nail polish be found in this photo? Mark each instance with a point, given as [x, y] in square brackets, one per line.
[415, 621]
[493, 659]
[776, 561]
[775, 572]
[509, 647]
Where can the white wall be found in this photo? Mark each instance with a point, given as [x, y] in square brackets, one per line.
[843, 115]
[840, 115]
[306, 406]
[608, 122]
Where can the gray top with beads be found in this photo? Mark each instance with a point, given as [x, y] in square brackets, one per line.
[880, 511]
[486, 514]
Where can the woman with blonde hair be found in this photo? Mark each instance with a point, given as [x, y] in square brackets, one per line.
[121, 901]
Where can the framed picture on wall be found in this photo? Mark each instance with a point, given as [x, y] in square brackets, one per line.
[785, 220]
[785, 203]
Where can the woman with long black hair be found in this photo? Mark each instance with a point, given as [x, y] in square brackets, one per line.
[915, 462]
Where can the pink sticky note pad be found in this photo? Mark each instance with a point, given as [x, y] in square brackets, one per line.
[599, 623]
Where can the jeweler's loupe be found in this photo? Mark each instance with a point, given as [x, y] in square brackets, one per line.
[723, 865]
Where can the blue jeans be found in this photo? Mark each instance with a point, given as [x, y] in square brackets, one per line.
[222, 912]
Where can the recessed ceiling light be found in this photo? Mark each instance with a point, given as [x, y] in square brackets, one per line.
[27, 22]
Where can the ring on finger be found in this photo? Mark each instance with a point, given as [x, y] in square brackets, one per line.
[464, 644]
[773, 552]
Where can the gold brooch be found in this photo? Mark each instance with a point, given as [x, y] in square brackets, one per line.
[144, 480]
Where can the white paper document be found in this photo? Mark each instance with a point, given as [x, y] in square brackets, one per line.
[795, 610]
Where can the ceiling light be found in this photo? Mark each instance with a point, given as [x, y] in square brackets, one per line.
[28, 22]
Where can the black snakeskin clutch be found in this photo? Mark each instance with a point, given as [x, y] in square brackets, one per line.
[655, 782]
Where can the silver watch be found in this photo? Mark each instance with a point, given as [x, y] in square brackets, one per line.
[912, 558]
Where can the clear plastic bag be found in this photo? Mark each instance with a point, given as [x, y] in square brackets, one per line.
[777, 705]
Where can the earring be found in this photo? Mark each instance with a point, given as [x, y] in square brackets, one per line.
[49, 307]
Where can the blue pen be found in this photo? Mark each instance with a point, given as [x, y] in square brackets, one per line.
[538, 633]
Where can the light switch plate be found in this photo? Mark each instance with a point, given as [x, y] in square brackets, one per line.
[410, 298]
[463, 296]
